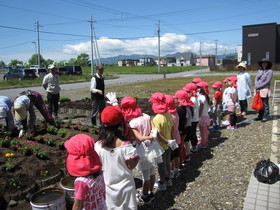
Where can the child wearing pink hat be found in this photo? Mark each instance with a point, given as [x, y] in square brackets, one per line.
[83, 162]
[184, 104]
[230, 99]
[203, 98]
[196, 80]
[164, 124]
[191, 89]
[118, 158]
[175, 155]
[217, 104]
[147, 148]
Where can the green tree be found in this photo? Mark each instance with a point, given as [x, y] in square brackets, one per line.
[83, 60]
[34, 60]
[14, 63]
[72, 61]
[2, 63]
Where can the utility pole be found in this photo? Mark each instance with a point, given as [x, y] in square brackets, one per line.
[35, 47]
[38, 37]
[91, 46]
[158, 32]
[200, 55]
[96, 48]
[216, 52]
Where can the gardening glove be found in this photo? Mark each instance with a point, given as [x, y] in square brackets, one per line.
[112, 98]
[154, 132]
[21, 133]
[172, 144]
[237, 105]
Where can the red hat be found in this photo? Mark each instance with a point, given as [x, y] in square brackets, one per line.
[226, 79]
[111, 115]
[184, 98]
[196, 80]
[204, 85]
[217, 84]
[234, 80]
[190, 87]
[159, 105]
[130, 109]
[82, 159]
[170, 104]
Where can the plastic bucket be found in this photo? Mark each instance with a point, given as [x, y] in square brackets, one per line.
[67, 184]
[50, 198]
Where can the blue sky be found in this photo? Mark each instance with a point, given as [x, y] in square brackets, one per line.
[127, 27]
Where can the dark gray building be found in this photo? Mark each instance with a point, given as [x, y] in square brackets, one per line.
[261, 41]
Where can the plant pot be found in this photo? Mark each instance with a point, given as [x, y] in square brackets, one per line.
[67, 184]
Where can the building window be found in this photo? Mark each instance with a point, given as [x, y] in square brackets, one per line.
[249, 59]
[267, 55]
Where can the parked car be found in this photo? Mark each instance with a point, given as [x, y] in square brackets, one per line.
[20, 73]
[74, 69]
[71, 69]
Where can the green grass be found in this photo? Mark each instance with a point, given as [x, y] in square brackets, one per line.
[143, 69]
[108, 74]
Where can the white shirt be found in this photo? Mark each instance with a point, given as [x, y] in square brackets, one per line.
[93, 83]
[52, 83]
[195, 109]
[244, 84]
[120, 187]
[227, 96]
[202, 100]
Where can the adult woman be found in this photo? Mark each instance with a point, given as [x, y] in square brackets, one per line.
[262, 85]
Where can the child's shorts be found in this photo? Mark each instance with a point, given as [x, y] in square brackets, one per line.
[146, 174]
[231, 108]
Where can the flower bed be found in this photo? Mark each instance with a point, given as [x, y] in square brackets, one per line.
[35, 160]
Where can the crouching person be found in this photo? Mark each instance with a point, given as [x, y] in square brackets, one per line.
[6, 113]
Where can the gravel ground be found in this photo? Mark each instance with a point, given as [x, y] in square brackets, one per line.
[218, 177]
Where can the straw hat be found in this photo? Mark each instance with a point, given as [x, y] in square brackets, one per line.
[243, 65]
[20, 112]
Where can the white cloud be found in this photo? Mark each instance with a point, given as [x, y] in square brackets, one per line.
[169, 43]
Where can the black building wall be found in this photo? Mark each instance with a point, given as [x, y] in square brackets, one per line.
[277, 58]
[260, 41]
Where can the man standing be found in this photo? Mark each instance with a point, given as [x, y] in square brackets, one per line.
[51, 85]
[97, 88]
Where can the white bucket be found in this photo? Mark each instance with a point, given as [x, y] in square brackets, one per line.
[49, 199]
[67, 184]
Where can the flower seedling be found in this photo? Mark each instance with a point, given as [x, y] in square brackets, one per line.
[15, 182]
[51, 129]
[10, 159]
[39, 138]
[29, 136]
[60, 144]
[44, 173]
[26, 147]
[40, 153]
[5, 142]
[49, 142]
[62, 132]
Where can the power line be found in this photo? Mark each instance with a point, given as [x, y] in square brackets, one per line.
[15, 45]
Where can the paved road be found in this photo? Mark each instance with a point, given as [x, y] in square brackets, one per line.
[123, 79]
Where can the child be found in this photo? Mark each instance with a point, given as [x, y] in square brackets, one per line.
[164, 124]
[203, 98]
[83, 162]
[118, 158]
[148, 150]
[196, 80]
[191, 89]
[175, 155]
[230, 101]
[184, 110]
[217, 104]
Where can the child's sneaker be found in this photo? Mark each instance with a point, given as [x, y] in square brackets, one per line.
[146, 199]
[178, 173]
[162, 186]
[201, 146]
[169, 183]
[231, 127]
[193, 150]
[151, 196]
[172, 174]
[226, 122]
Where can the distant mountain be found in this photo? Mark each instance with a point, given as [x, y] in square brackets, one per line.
[114, 60]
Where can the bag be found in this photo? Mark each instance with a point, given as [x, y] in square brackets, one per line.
[266, 172]
[257, 102]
